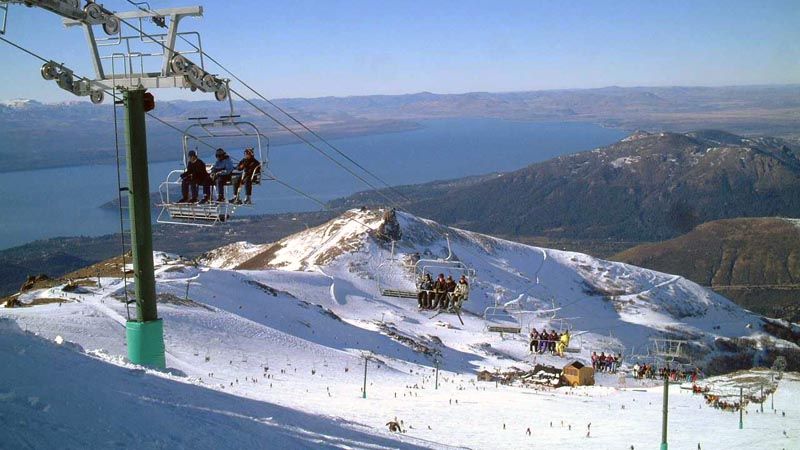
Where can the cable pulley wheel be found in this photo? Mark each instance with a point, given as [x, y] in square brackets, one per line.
[49, 71]
[111, 25]
[180, 65]
[196, 75]
[94, 11]
[209, 82]
[96, 97]
[221, 93]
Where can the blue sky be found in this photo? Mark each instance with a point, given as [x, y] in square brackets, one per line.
[304, 48]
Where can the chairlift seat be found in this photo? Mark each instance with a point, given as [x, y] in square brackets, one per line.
[398, 293]
[205, 215]
[504, 329]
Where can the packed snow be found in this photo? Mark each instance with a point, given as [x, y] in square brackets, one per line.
[266, 348]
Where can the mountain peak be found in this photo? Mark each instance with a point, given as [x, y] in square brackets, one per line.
[20, 103]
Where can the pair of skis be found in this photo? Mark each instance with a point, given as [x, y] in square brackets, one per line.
[457, 312]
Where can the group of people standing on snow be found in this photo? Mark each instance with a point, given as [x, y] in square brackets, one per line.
[443, 293]
[222, 172]
[553, 342]
[606, 363]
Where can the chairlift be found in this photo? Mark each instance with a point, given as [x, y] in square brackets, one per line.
[503, 312]
[608, 346]
[228, 128]
[670, 350]
[393, 284]
[562, 325]
[390, 285]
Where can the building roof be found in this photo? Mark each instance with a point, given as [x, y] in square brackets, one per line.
[575, 364]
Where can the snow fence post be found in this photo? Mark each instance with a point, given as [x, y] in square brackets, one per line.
[664, 413]
[145, 335]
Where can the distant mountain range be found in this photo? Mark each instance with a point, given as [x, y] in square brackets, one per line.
[52, 135]
[647, 187]
[753, 261]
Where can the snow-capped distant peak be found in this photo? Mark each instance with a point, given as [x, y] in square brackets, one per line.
[19, 103]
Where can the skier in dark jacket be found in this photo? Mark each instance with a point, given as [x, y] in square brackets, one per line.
[221, 173]
[194, 176]
[248, 168]
[450, 287]
[534, 346]
[439, 291]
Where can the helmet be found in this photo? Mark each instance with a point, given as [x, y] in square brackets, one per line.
[220, 152]
[192, 153]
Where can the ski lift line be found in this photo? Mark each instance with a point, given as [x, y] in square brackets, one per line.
[112, 92]
[311, 144]
[314, 199]
[283, 111]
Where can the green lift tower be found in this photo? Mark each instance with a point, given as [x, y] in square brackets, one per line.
[120, 67]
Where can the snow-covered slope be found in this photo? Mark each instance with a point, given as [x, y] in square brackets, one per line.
[291, 323]
[53, 397]
[601, 301]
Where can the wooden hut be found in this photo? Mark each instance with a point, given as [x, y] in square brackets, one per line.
[485, 375]
[578, 374]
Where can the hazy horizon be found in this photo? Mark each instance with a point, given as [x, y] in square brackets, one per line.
[311, 49]
[75, 99]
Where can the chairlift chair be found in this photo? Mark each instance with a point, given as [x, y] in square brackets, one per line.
[211, 213]
[501, 312]
[670, 350]
[402, 287]
[394, 285]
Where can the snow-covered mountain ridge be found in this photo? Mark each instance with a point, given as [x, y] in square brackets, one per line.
[603, 301]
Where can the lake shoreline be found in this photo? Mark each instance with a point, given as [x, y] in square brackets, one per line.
[441, 149]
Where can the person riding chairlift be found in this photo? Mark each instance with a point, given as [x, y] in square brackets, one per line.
[534, 345]
[221, 173]
[194, 176]
[247, 168]
[461, 292]
[450, 288]
[439, 291]
[424, 294]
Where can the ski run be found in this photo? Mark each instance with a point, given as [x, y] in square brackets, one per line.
[266, 348]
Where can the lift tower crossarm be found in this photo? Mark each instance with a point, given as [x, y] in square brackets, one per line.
[175, 69]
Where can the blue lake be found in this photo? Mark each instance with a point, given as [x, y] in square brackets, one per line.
[66, 201]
